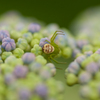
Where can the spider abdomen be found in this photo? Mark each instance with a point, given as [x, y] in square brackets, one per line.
[48, 48]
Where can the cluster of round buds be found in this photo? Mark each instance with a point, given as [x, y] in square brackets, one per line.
[29, 79]
[85, 70]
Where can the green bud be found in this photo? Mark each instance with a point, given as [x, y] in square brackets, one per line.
[22, 43]
[37, 36]
[66, 52]
[18, 52]
[87, 48]
[34, 41]
[41, 60]
[37, 50]
[71, 79]
[5, 55]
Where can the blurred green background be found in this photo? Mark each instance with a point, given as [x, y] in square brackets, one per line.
[62, 12]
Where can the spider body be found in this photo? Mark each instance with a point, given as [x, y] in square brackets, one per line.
[51, 50]
[48, 49]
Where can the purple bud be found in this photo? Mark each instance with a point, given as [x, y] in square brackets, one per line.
[35, 67]
[73, 68]
[28, 58]
[24, 94]
[80, 59]
[84, 77]
[98, 51]
[41, 90]
[9, 79]
[4, 34]
[88, 53]
[34, 27]
[20, 71]
[45, 74]
[75, 52]
[85, 91]
[81, 43]
[43, 41]
[92, 67]
[8, 44]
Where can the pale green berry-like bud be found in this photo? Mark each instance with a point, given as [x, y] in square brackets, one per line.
[96, 42]
[15, 35]
[93, 95]
[71, 79]
[96, 57]
[97, 76]
[5, 68]
[86, 62]
[96, 48]
[87, 48]
[37, 50]
[12, 61]
[1, 61]
[22, 43]
[18, 52]
[37, 36]
[34, 41]
[66, 52]
[5, 55]
[28, 49]
[41, 59]
[27, 36]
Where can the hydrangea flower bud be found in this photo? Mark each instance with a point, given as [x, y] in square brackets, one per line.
[28, 58]
[34, 27]
[8, 44]
[92, 68]
[18, 52]
[41, 90]
[43, 42]
[22, 43]
[3, 34]
[84, 77]
[37, 50]
[20, 71]
[73, 68]
[28, 37]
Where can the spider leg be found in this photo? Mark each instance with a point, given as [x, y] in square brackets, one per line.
[48, 41]
[55, 34]
[49, 59]
[57, 61]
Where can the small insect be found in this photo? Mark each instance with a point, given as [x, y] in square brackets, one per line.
[51, 50]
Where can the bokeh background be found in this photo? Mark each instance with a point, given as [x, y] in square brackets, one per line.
[62, 12]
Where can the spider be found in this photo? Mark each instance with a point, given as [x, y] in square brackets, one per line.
[51, 50]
